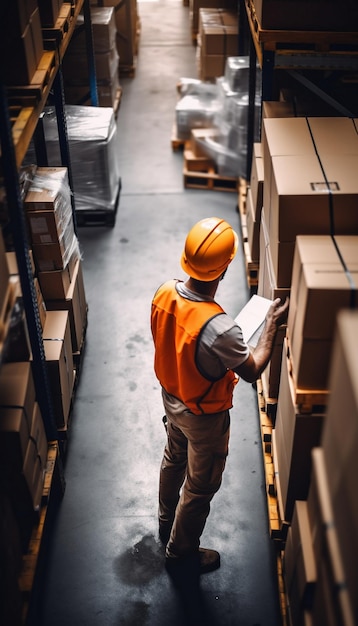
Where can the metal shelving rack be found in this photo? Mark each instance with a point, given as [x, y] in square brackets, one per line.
[21, 110]
[15, 137]
[294, 52]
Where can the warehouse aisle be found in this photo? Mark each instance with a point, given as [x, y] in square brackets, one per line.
[105, 564]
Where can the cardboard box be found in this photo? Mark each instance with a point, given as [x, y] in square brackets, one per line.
[75, 69]
[126, 18]
[253, 228]
[211, 66]
[271, 273]
[306, 15]
[17, 339]
[296, 434]
[76, 305]
[277, 108]
[218, 30]
[55, 284]
[55, 256]
[49, 11]
[49, 190]
[294, 175]
[17, 399]
[340, 443]
[299, 564]
[35, 459]
[45, 226]
[282, 137]
[318, 287]
[257, 180]
[20, 43]
[272, 373]
[326, 538]
[300, 204]
[198, 138]
[16, 15]
[58, 354]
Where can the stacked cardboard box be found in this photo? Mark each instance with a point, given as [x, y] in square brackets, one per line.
[23, 444]
[59, 274]
[59, 358]
[196, 5]
[320, 562]
[127, 30]
[339, 446]
[316, 579]
[50, 221]
[49, 11]
[218, 40]
[308, 189]
[75, 63]
[325, 271]
[21, 42]
[296, 432]
[254, 202]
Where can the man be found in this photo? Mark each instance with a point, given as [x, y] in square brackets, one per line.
[199, 355]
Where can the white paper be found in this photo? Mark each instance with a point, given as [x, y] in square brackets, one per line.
[251, 319]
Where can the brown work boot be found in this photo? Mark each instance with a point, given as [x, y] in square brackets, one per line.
[209, 560]
[200, 562]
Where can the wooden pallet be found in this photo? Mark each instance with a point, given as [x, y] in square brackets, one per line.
[176, 142]
[201, 173]
[330, 44]
[277, 526]
[30, 95]
[53, 37]
[20, 118]
[241, 196]
[128, 71]
[306, 400]
[30, 560]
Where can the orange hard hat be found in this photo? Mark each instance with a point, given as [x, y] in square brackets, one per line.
[209, 248]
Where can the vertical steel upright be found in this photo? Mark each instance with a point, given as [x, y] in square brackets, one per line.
[20, 238]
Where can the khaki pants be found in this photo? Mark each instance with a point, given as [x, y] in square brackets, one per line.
[190, 475]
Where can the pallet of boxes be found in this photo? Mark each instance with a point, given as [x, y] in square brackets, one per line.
[93, 146]
[211, 120]
[27, 458]
[57, 259]
[308, 249]
[127, 32]
[75, 62]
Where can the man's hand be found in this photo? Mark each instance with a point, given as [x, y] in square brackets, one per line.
[277, 313]
[252, 368]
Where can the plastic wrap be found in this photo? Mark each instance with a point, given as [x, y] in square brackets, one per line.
[51, 184]
[104, 30]
[49, 189]
[93, 145]
[237, 73]
[196, 110]
[229, 150]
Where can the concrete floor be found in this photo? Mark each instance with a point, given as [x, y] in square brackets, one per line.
[104, 564]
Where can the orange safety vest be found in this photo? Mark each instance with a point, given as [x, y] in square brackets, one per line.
[176, 326]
